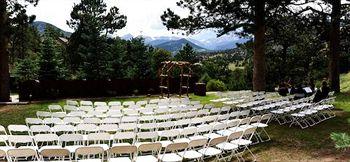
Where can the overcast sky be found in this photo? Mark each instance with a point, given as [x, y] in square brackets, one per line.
[143, 16]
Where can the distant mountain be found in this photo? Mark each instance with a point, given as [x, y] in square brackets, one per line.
[41, 26]
[177, 45]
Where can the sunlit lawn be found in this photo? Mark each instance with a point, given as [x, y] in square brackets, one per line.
[287, 144]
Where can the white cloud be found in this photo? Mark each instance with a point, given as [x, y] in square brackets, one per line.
[143, 15]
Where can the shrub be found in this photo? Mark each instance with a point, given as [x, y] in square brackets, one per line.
[216, 85]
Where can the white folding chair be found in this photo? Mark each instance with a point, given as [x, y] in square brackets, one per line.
[170, 153]
[245, 141]
[148, 152]
[72, 120]
[265, 119]
[72, 103]
[210, 150]
[52, 121]
[85, 103]
[71, 141]
[124, 127]
[99, 139]
[99, 103]
[110, 120]
[43, 114]
[22, 141]
[70, 108]
[54, 108]
[145, 137]
[192, 151]
[46, 141]
[166, 137]
[123, 138]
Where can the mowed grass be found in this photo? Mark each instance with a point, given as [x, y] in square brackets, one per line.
[287, 144]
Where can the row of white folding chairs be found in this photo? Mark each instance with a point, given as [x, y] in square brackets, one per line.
[131, 103]
[198, 115]
[313, 114]
[87, 128]
[151, 107]
[132, 112]
[195, 149]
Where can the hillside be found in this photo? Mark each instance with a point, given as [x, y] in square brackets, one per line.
[177, 45]
[41, 26]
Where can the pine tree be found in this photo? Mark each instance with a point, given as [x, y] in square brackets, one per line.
[48, 63]
[186, 54]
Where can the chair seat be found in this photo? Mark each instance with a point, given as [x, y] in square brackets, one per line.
[120, 159]
[147, 158]
[49, 147]
[6, 148]
[90, 160]
[212, 135]
[246, 126]
[224, 132]
[227, 146]
[260, 125]
[190, 154]
[170, 157]
[121, 144]
[241, 142]
[137, 144]
[182, 140]
[210, 151]
[4, 137]
[104, 146]
[165, 143]
[72, 149]
[197, 137]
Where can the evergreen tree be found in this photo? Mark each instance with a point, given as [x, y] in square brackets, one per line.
[88, 48]
[9, 9]
[48, 65]
[186, 54]
[226, 16]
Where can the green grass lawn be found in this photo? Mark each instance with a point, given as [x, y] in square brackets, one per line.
[287, 144]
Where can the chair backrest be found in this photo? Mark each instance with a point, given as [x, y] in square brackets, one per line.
[169, 134]
[245, 121]
[92, 121]
[18, 129]
[233, 123]
[266, 118]
[150, 147]
[63, 129]
[55, 108]
[127, 126]
[235, 135]
[197, 143]
[120, 137]
[2, 154]
[46, 139]
[89, 152]
[109, 128]
[20, 140]
[72, 120]
[86, 128]
[98, 138]
[72, 103]
[59, 114]
[33, 121]
[70, 108]
[25, 154]
[51, 121]
[129, 119]
[86, 103]
[188, 131]
[148, 136]
[217, 140]
[248, 133]
[255, 119]
[176, 147]
[57, 153]
[99, 103]
[66, 139]
[43, 114]
[123, 150]
[114, 103]
[39, 129]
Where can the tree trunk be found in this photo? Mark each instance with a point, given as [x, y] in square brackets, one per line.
[259, 83]
[334, 46]
[4, 56]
